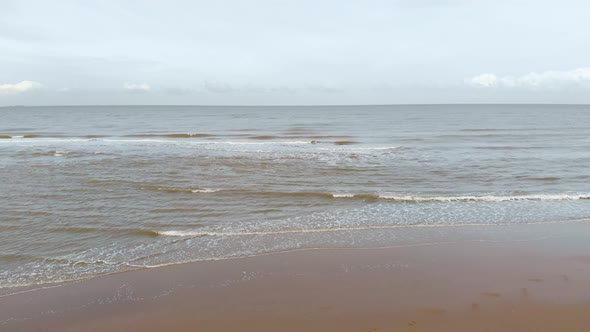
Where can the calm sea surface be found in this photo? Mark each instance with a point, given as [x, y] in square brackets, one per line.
[86, 191]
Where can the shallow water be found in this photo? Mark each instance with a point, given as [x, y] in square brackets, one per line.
[93, 190]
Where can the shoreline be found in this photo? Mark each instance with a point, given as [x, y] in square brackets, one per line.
[5, 290]
[453, 286]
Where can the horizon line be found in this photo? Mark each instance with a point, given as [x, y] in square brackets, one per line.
[301, 105]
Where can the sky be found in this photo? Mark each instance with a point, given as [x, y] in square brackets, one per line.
[304, 52]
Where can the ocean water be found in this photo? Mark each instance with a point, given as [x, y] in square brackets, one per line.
[86, 191]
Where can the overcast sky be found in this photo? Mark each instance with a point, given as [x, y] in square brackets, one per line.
[294, 52]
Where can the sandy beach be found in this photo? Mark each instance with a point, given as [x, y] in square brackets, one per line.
[294, 166]
[539, 284]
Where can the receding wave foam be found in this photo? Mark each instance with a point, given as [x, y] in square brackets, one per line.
[177, 233]
[489, 198]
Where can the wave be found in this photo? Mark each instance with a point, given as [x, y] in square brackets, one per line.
[178, 233]
[367, 148]
[21, 136]
[385, 197]
[178, 135]
[180, 190]
[489, 198]
[204, 190]
[10, 258]
[59, 153]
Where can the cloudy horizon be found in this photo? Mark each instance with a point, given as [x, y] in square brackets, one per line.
[293, 53]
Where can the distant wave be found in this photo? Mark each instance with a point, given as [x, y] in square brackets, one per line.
[180, 190]
[208, 144]
[20, 136]
[485, 129]
[364, 148]
[177, 135]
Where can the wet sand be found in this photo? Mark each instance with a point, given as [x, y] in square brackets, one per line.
[536, 285]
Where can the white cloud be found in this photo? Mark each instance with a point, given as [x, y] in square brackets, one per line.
[546, 79]
[12, 89]
[137, 87]
[483, 80]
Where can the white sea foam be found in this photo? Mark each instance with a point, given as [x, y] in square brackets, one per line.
[149, 140]
[343, 195]
[490, 198]
[467, 198]
[204, 190]
[177, 233]
[60, 153]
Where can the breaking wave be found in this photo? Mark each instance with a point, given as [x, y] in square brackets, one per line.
[178, 233]
[375, 196]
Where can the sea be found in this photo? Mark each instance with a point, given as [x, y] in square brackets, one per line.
[92, 190]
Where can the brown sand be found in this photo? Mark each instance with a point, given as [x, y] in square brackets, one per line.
[541, 285]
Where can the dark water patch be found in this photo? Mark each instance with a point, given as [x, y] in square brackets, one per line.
[95, 136]
[176, 210]
[4, 228]
[547, 178]
[264, 211]
[344, 143]
[111, 183]
[263, 137]
[20, 258]
[484, 129]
